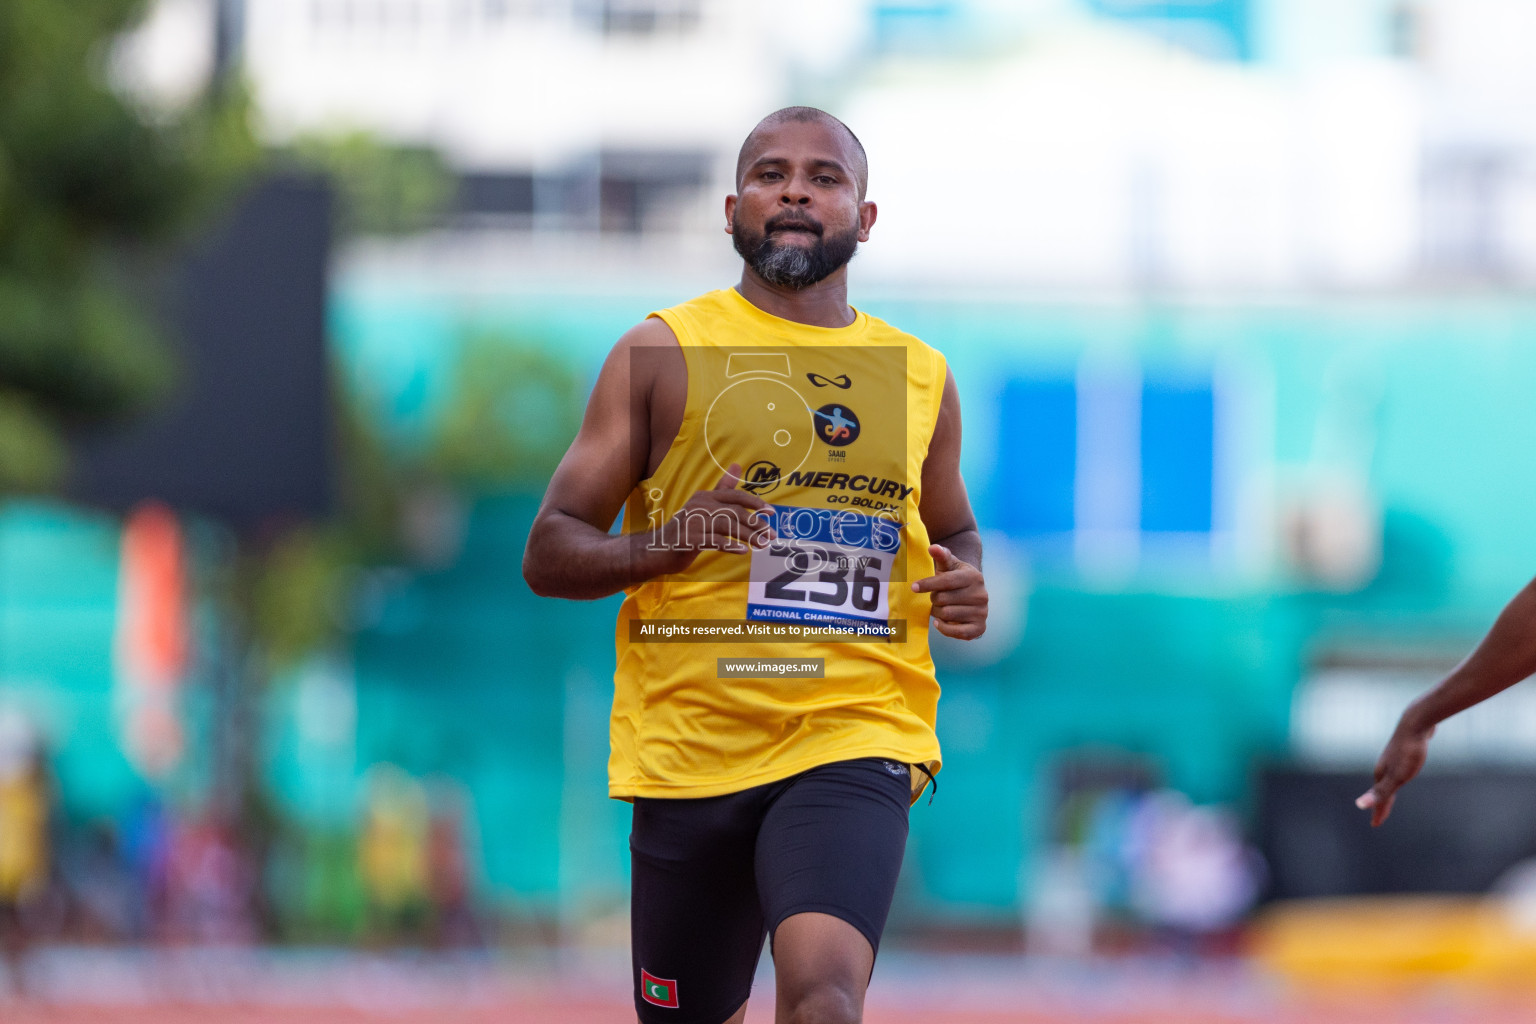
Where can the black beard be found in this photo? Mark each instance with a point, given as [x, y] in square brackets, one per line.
[792, 266]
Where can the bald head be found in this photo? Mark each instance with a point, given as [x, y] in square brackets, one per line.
[758, 136]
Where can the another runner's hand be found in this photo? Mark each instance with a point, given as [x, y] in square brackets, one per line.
[959, 595]
[725, 518]
[1399, 763]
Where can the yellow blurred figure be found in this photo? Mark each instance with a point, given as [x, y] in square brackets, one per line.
[392, 851]
[23, 836]
[25, 808]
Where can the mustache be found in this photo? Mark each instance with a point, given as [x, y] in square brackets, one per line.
[791, 220]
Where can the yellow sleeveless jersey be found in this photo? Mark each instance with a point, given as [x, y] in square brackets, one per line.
[831, 426]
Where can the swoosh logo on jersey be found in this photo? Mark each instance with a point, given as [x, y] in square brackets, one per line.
[840, 381]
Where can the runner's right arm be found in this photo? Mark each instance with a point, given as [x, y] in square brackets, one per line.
[1505, 656]
[570, 552]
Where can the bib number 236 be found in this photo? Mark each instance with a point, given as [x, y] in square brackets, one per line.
[824, 568]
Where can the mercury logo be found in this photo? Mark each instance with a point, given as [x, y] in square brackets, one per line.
[762, 477]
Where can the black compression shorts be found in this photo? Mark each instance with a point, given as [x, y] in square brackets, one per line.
[713, 877]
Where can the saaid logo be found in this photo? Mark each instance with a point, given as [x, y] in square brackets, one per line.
[837, 425]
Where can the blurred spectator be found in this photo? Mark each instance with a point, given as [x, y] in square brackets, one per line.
[454, 922]
[146, 853]
[1193, 877]
[1151, 860]
[1082, 890]
[26, 807]
[1062, 917]
[212, 885]
[392, 854]
[107, 901]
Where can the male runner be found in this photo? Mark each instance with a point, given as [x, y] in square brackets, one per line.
[1503, 658]
[767, 804]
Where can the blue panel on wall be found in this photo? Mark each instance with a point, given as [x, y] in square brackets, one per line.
[1034, 482]
[1211, 28]
[1177, 449]
[906, 26]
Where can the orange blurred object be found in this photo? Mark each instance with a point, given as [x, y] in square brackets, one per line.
[152, 636]
[1381, 942]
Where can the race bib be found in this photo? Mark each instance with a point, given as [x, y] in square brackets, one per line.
[826, 567]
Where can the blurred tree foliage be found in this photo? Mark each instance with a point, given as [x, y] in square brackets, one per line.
[300, 582]
[516, 408]
[93, 182]
[298, 593]
[88, 178]
[384, 188]
[301, 588]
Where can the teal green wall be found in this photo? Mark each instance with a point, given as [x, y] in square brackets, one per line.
[468, 674]
[464, 672]
[58, 592]
[1186, 666]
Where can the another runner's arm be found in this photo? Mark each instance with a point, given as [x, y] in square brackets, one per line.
[1503, 658]
[570, 552]
[959, 591]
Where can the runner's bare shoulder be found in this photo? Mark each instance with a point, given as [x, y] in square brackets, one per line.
[652, 362]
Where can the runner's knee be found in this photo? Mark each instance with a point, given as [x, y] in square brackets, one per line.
[822, 965]
[826, 1002]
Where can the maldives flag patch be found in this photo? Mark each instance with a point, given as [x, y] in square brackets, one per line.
[657, 991]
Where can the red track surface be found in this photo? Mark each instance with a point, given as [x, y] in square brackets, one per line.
[331, 987]
[575, 1011]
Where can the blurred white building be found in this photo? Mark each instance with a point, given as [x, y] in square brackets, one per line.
[572, 114]
[1118, 145]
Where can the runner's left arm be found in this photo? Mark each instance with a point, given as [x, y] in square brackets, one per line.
[958, 589]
